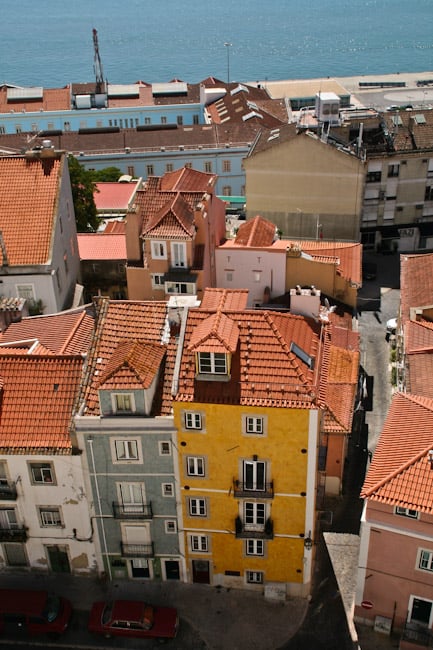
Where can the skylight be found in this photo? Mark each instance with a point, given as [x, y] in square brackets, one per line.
[302, 355]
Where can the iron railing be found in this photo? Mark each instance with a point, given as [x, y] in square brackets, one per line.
[132, 510]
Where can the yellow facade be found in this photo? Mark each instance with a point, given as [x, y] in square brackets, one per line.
[224, 446]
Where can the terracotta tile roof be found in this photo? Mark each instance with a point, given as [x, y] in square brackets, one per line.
[256, 232]
[53, 99]
[119, 321]
[416, 282]
[217, 333]
[225, 299]
[113, 196]
[342, 382]
[65, 333]
[37, 401]
[132, 363]
[407, 133]
[187, 179]
[401, 473]
[114, 228]
[248, 103]
[175, 220]
[264, 371]
[29, 192]
[101, 246]
[418, 345]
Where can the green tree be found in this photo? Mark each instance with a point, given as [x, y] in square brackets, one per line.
[83, 187]
[106, 175]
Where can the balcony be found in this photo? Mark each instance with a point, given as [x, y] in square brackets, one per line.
[8, 491]
[416, 636]
[16, 534]
[250, 490]
[249, 531]
[137, 550]
[132, 510]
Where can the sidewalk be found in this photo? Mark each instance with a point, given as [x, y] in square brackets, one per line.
[217, 618]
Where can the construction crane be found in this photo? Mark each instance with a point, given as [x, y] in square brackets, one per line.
[97, 66]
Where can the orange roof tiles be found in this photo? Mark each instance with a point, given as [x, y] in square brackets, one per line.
[256, 232]
[114, 227]
[53, 99]
[132, 363]
[226, 299]
[217, 333]
[117, 321]
[264, 370]
[416, 282]
[29, 193]
[65, 333]
[173, 220]
[187, 179]
[341, 388]
[401, 473]
[113, 196]
[101, 246]
[37, 400]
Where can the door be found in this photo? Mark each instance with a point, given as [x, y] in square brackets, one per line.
[421, 611]
[172, 570]
[58, 559]
[254, 475]
[139, 568]
[200, 572]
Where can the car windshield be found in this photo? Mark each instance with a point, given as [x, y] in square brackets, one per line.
[106, 614]
[52, 608]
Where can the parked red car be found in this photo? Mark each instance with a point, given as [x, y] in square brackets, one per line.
[133, 618]
[38, 612]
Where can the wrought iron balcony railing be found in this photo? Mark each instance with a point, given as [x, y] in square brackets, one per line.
[16, 534]
[8, 491]
[249, 531]
[137, 550]
[417, 635]
[256, 490]
[132, 510]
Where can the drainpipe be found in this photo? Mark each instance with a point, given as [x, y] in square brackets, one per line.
[100, 516]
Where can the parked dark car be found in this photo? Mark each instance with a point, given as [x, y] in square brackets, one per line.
[133, 618]
[37, 612]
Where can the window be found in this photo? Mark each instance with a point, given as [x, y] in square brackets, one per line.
[170, 526]
[18, 128]
[393, 170]
[227, 190]
[197, 507]
[229, 276]
[165, 448]
[195, 119]
[254, 577]
[227, 166]
[2, 129]
[131, 170]
[178, 254]
[34, 127]
[167, 490]
[208, 167]
[157, 280]
[131, 496]
[195, 466]
[425, 561]
[184, 288]
[193, 420]
[8, 518]
[180, 120]
[163, 119]
[25, 291]
[3, 473]
[123, 402]
[15, 554]
[188, 165]
[254, 475]
[159, 250]
[199, 543]
[254, 515]
[147, 120]
[212, 362]
[50, 517]
[254, 547]
[406, 512]
[150, 170]
[253, 424]
[373, 177]
[169, 167]
[126, 450]
[428, 193]
[41, 473]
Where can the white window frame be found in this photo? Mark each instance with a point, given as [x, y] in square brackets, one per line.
[406, 512]
[50, 517]
[256, 484]
[255, 547]
[180, 288]
[254, 577]
[178, 254]
[164, 447]
[196, 466]
[199, 543]
[254, 425]
[193, 420]
[47, 473]
[126, 398]
[170, 526]
[167, 490]
[158, 249]
[197, 507]
[227, 166]
[157, 281]
[254, 515]
[425, 556]
[210, 363]
[126, 445]
[131, 496]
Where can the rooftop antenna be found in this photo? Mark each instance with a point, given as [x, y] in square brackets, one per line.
[97, 65]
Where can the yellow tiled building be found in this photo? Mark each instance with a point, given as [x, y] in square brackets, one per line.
[248, 409]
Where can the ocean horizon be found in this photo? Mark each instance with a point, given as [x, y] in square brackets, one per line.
[50, 43]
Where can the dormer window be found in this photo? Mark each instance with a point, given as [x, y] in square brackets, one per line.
[123, 402]
[214, 363]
